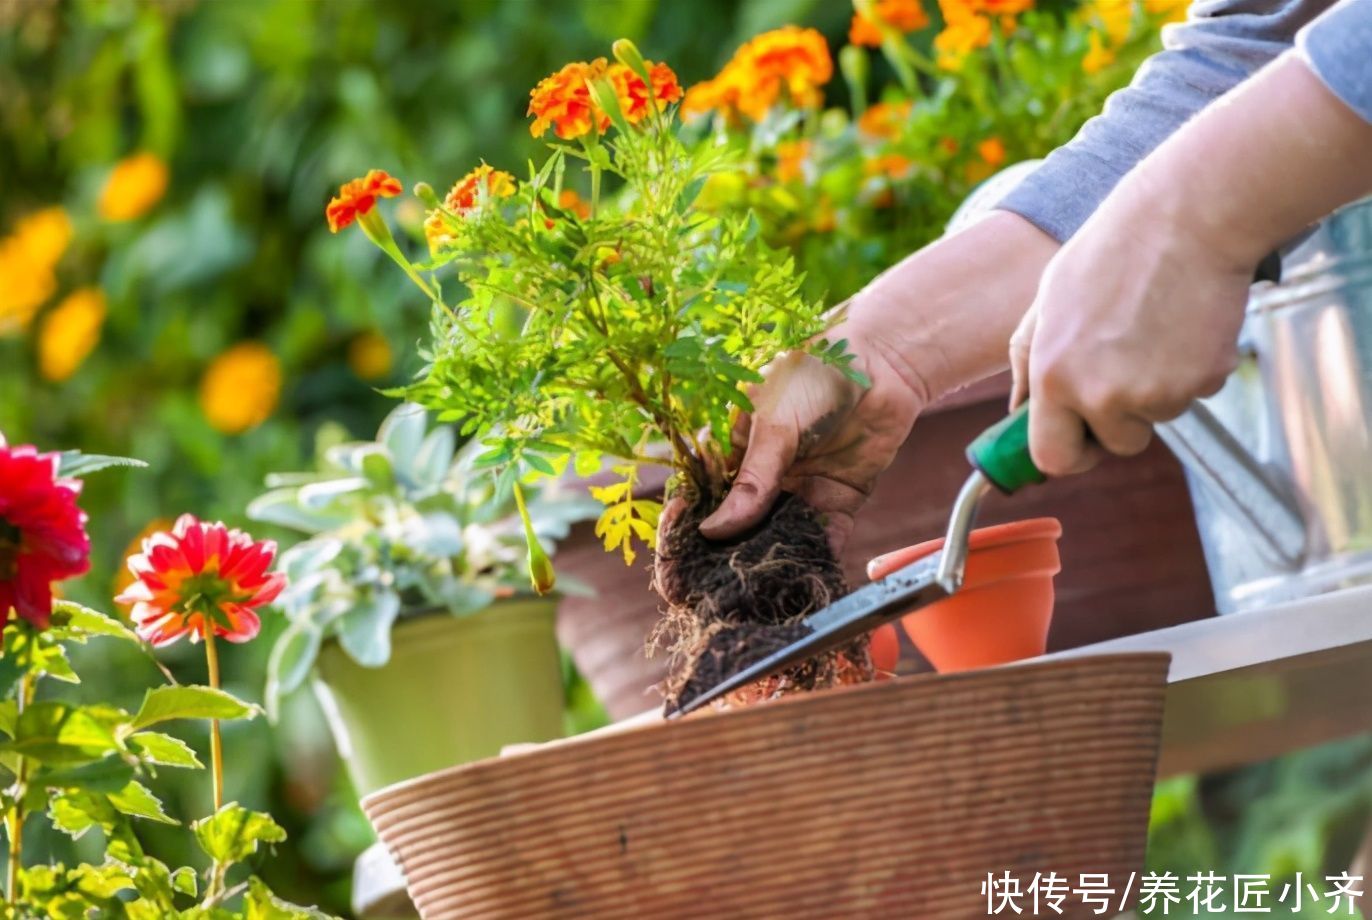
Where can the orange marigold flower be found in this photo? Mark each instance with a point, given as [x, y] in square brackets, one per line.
[359, 196]
[1003, 7]
[370, 356]
[788, 64]
[485, 182]
[632, 92]
[791, 157]
[563, 101]
[241, 388]
[884, 119]
[569, 200]
[889, 166]
[903, 15]
[991, 151]
[70, 332]
[135, 184]
[965, 30]
[199, 578]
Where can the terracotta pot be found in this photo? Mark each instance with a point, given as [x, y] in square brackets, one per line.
[1003, 610]
[893, 799]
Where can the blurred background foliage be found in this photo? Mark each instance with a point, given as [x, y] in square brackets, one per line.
[169, 290]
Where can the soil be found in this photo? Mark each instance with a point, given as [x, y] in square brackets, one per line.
[730, 604]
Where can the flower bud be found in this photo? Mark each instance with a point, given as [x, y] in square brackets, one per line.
[626, 52]
[541, 573]
[425, 193]
[852, 60]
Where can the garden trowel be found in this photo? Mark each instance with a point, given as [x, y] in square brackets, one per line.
[1000, 458]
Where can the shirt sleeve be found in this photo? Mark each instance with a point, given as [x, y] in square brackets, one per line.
[1222, 43]
[1338, 48]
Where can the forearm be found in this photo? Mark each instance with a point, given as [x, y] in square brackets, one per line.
[942, 317]
[1273, 157]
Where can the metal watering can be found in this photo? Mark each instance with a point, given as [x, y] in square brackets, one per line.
[1279, 462]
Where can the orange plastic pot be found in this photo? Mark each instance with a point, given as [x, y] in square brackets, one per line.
[1005, 606]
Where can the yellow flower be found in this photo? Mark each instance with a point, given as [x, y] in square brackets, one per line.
[1098, 56]
[369, 355]
[1167, 10]
[1113, 17]
[241, 387]
[135, 184]
[70, 333]
[28, 259]
[964, 31]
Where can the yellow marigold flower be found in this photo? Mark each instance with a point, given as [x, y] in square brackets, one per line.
[1167, 10]
[562, 101]
[884, 120]
[789, 64]
[902, 15]
[1115, 18]
[28, 259]
[134, 185]
[241, 387]
[369, 355]
[485, 182]
[437, 230]
[1098, 56]
[70, 333]
[965, 30]
[791, 157]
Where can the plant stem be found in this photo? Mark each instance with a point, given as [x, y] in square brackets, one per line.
[14, 819]
[216, 742]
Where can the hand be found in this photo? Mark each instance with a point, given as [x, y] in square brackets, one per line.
[937, 321]
[1139, 313]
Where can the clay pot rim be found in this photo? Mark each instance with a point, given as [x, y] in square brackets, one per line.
[982, 538]
[701, 720]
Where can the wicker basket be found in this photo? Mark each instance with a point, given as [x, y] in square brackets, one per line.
[888, 800]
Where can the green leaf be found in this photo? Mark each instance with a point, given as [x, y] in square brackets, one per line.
[74, 464]
[57, 733]
[184, 881]
[435, 457]
[260, 904]
[137, 801]
[108, 774]
[233, 833]
[402, 432]
[292, 657]
[365, 631]
[74, 616]
[162, 704]
[282, 507]
[164, 750]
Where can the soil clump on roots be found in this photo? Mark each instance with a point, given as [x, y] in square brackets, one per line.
[731, 604]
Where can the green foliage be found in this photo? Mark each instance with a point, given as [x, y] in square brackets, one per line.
[82, 766]
[403, 525]
[638, 324]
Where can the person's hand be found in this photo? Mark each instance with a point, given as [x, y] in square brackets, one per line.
[937, 321]
[1134, 318]
[1140, 312]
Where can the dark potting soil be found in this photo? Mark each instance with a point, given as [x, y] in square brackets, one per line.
[730, 604]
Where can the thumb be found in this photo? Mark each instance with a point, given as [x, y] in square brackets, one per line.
[1020, 344]
[770, 453]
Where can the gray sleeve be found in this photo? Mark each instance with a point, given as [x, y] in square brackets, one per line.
[1338, 48]
[1222, 43]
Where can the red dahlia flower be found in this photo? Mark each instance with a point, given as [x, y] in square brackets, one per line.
[42, 532]
[197, 577]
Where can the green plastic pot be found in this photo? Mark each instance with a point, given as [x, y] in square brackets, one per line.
[456, 689]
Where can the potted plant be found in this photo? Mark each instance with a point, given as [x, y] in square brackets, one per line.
[408, 605]
[626, 327]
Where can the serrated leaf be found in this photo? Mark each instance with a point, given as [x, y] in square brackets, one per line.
[74, 464]
[260, 904]
[164, 750]
[233, 833]
[73, 616]
[109, 774]
[137, 801]
[162, 704]
[57, 733]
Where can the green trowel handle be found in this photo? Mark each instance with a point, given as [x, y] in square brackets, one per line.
[1001, 452]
